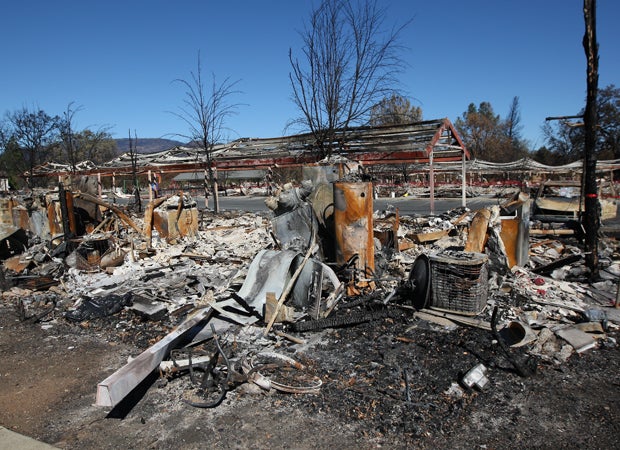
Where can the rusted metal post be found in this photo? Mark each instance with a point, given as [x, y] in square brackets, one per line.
[353, 225]
[113, 187]
[431, 181]
[206, 183]
[150, 187]
[216, 198]
[463, 183]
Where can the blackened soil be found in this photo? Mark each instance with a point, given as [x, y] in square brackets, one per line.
[393, 379]
[385, 383]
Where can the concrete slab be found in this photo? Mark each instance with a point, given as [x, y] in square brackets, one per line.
[10, 440]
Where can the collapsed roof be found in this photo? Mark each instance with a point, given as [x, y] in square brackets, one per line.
[414, 144]
[420, 142]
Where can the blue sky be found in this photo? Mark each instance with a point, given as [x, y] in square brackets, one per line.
[118, 59]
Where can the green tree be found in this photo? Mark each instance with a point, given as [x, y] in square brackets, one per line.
[96, 146]
[565, 138]
[349, 62]
[394, 110]
[34, 132]
[5, 134]
[488, 136]
[609, 122]
[12, 163]
[545, 156]
[513, 128]
[482, 132]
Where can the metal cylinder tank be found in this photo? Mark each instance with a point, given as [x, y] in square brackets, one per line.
[353, 226]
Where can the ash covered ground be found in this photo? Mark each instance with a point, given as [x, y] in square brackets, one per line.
[386, 383]
[392, 380]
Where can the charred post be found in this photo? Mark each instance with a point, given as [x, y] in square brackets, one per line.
[592, 221]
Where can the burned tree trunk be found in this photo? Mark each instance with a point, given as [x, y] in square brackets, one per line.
[592, 221]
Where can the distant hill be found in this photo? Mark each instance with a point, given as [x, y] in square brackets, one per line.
[147, 145]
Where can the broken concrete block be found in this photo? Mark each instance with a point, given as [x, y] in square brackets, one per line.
[517, 334]
[171, 367]
[590, 327]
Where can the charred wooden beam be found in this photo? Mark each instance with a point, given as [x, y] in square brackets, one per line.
[124, 217]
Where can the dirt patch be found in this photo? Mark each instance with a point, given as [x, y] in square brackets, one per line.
[385, 383]
[46, 372]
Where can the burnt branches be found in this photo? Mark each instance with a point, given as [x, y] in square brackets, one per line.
[133, 156]
[349, 64]
[67, 135]
[86, 145]
[205, 110]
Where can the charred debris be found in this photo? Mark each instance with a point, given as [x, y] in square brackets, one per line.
[219, 301]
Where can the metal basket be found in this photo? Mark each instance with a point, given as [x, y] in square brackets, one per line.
[459, 282]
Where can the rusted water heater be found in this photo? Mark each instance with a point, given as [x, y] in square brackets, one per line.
[353, 227]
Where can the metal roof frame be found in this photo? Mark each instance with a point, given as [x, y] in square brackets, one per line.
[420, 142]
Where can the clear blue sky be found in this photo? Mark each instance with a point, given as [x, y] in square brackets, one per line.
[118, 59]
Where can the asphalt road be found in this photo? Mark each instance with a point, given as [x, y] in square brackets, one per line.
[406, 205]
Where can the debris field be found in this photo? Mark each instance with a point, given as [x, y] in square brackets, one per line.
[320, 323]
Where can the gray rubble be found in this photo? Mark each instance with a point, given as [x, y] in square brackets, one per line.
[228, 267]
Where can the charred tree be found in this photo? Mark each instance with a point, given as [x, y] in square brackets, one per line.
[205, 112]
[349, 62]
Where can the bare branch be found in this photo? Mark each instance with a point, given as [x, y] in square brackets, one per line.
[349, 64]
[204, 111]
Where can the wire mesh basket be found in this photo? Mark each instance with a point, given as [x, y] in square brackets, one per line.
[459, 282]
[88, 263]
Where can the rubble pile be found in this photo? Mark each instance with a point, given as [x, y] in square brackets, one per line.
[405, 320]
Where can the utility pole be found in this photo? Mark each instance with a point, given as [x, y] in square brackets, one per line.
[592, 221]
